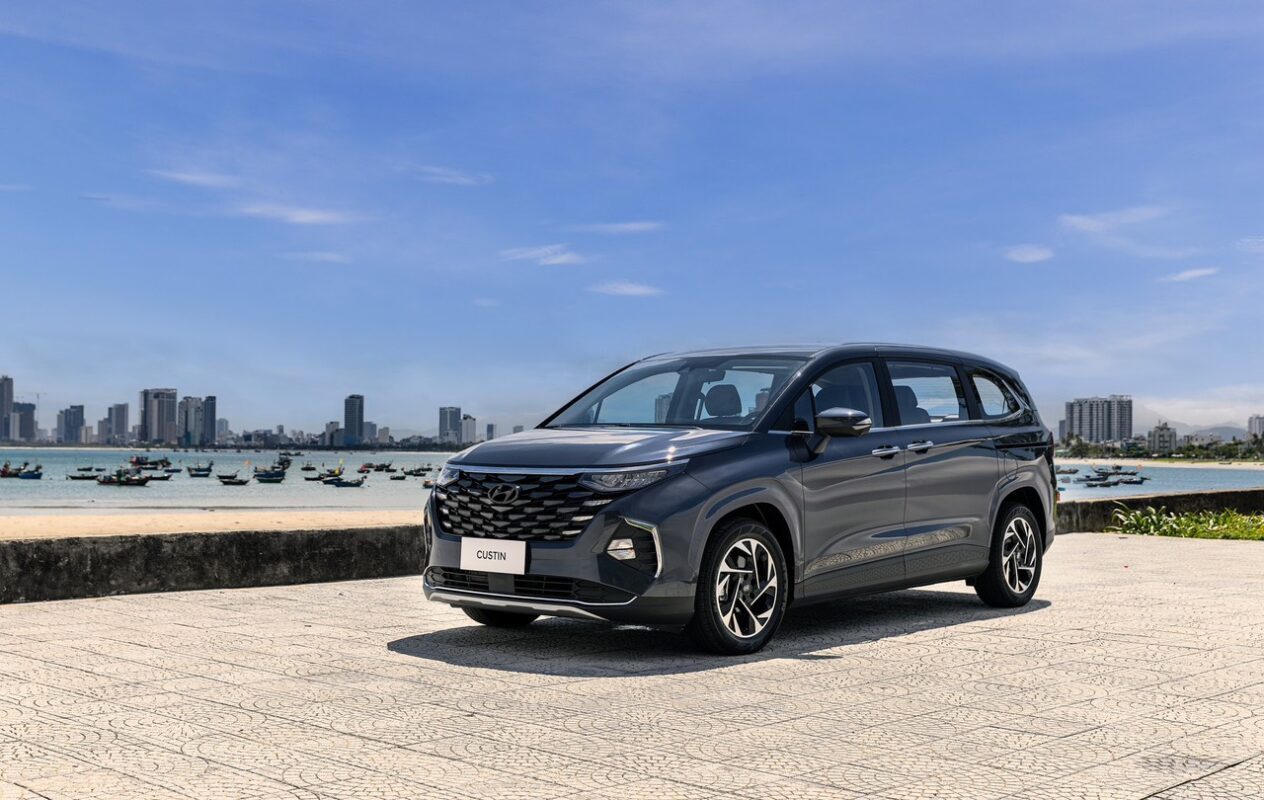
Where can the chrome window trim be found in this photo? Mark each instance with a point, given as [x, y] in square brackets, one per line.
[486, 470]
[653, 532]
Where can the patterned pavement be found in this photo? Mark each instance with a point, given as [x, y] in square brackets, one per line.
[1138, 673]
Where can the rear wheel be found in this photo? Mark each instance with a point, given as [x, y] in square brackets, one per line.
[742, 589]
[499, 619]
[1017, 557]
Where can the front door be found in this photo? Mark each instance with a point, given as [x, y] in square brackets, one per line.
[952, 470]
[853, 492]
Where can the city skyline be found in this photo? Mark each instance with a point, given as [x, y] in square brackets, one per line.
[326, 206]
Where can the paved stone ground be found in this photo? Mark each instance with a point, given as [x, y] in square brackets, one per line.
[1139, 672]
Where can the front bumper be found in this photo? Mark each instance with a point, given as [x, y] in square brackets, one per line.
[607, 589]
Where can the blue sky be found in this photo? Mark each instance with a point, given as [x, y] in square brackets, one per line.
[492, 204]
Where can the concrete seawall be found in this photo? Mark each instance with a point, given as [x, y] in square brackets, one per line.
[1095, 515]
[95, 566]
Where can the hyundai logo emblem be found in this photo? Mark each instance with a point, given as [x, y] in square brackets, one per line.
[503, 494]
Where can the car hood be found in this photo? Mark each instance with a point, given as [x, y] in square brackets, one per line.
[597, 447]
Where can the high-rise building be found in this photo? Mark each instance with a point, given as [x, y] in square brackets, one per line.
[158, 416]
[491, 431]
[1161, 439]
[1100, 419]
[469, 429]
[6, 408]
[450, 424]
[116, 418]
[22, 423]
[353, 418]
[70, 425]
[1255, 426]
[517, 429]
[662, 404]
[209, 417]
[370, 431]
[190, 422]
[221, 429]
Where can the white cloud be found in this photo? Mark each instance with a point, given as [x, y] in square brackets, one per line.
[1251, 244]
[620, 228]
[1028, 253]
[1102, 228]
[1189, 275]
[122, 202]
[486, 302]
[625, 289]
[545, 255]
[453, 177]
[204, 180]
[321, 256]
[14, 187]
[296, 215]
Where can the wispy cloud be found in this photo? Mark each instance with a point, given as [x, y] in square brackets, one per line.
[1251, 244]
[545, 255]
[1028, 253]
[204, 180]
[620, 228]
[486, 302]
[14, 187]
[297, 215]
[452, 177]
[122, 202]
[1103, 228]
[1189, 275]
[625, 289]
[320, 256]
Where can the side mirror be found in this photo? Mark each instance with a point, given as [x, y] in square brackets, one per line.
[843, 422]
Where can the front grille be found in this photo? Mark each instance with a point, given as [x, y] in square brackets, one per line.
[539, 587]
[545, 508]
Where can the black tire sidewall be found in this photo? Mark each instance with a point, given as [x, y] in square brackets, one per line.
[706, 603]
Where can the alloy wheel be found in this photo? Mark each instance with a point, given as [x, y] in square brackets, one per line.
[1018, 553]
[746, 588]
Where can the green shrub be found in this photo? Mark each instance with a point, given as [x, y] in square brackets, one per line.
[1150, 521]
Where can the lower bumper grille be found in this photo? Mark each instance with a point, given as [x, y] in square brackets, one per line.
[539, 587]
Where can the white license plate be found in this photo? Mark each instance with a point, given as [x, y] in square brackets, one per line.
[486, 555]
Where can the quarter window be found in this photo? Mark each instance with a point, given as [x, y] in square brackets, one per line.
[927, 393]
[994, 397]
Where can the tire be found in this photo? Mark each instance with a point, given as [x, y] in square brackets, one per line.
[1016, 560]
[744, 564]
[499, 619]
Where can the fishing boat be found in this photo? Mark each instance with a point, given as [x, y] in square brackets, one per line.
[308, 467]
[428, 483]
[228, 475]
[399, 477]
[270, 477]
[32, 474]
[343, 483]
[85, 469]
[199, 471]
[365, 468]
[82, 476]
[1066, 470]
[233, 481]
[171, 470]
[145, 462]
[161, 477]
[314, 478]
[8, 471]
[123, 478]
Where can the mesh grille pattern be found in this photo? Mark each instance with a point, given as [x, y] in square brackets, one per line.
[508, 506]
[543, 587]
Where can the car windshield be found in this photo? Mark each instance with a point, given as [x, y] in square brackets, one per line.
[728, 392]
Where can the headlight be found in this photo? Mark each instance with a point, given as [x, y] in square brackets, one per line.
[447, 475]
[622, 481]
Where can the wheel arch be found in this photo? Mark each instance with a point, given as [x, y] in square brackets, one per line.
[772, 516]
[1029, 497]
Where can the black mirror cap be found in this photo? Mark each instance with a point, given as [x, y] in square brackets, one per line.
[843, 422]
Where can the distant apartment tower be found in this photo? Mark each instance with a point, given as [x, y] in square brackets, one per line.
[117, 423]
[469, 429]
[221, 429]
[209, 417]
[450, 424]
[6, 408]
[491, 431]
[662, 404]
[1100, 419]
[370, 431]
[1162, 439]
[353, 419]
[157, 416]
[22, 422]
[190, 422]
[70, 425]
[1255, 427]
[517, 429]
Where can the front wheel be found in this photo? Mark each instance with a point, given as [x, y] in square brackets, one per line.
[499, 619]
[742, 589]
[1017, 556]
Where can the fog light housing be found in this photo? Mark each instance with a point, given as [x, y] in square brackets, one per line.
[622, 549]
[635, 544]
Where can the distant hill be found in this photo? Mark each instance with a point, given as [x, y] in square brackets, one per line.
[1225, 432]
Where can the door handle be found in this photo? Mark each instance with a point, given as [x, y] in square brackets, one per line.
[885, 452]
[921, 447]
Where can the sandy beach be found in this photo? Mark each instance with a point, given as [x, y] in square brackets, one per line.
[52, 526]
[1151, 462]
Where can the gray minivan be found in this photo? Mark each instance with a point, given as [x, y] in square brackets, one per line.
[711, 490]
